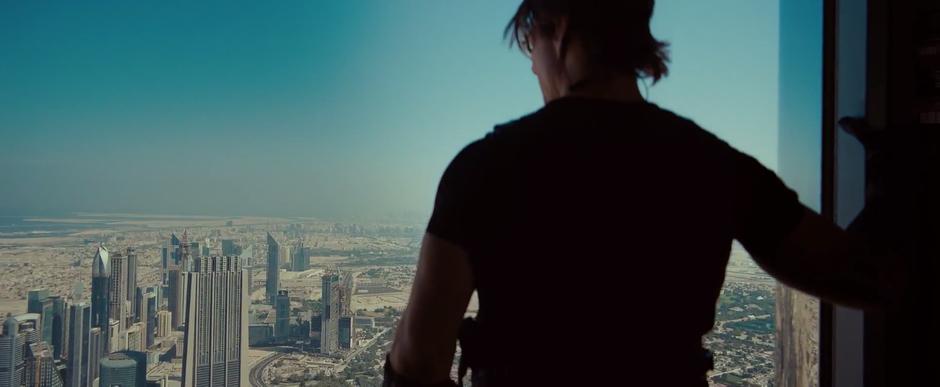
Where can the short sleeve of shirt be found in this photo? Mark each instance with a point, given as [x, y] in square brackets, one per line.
[765, 209]
[458, 213]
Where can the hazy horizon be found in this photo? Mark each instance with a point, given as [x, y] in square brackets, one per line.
[331, 110]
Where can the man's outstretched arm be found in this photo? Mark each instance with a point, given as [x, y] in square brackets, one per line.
[821, 259]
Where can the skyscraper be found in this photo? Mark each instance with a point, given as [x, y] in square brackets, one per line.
[329, 304]
[282, 315]
[131, 284]
[347, 332]
[148, 312]
[60, 324]
[336, 303]
[175, 249]
[124, 369]
[174, 299]
[29, 327]
[205, 249]
[100, 292]
[96, 349]
[38, 301]
[284, 255]
[12, 363]
[247, 254]
[117, 340]
[216, 339]
[300, 261]
[169, 255]
[194, 249]
[273, 276]
[164, 322]
[117, 292]
[80, 320]
[228, 248]
[40, 367]
[185, 253]
[164, 263]
[135, 337]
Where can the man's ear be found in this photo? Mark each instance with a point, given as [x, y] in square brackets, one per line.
[560, 32]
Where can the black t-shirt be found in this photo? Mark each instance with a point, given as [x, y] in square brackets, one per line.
[595, 225]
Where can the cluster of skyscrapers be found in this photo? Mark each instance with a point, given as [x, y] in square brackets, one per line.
[199, 311]
[68, 342]
[110, 340]
[335, 323]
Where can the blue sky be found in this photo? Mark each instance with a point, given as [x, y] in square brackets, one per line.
[309, 108]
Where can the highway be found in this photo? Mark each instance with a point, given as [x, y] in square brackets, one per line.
[254, 376]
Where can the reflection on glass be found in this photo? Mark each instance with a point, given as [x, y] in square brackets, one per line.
[797, 353]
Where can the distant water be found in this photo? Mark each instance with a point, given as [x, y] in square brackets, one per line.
[21, 227]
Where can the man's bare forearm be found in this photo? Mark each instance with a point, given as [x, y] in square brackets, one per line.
[825, 261]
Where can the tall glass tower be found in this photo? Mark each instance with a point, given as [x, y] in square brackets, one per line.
[216, 338]
[100, 292]
[79, 345]
[131, 288]
[282, 315]
[273, 276]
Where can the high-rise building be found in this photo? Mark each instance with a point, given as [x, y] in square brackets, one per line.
[282, 315]
[62, 370]
[284, 255]
[205, 249]
[316, 325]
[336, 303]
[60, 324]
[247, 255]
[174, 298]
[164, 323]
[12, 363]
[138, 298]
[29, 324]
[124, 369]
[148, 312]
[347, 332]
[194, 249]
[80, 321]
[329, 304]
[40, 368]
[159, 294]
[216, 339]
[117, 340]
[38, 301]
[96, 349]
[250, 271]
[117, 292]
[134, 336]
[259, 334]
[175, 249]
[300, 260]
[169, 256]
[273, 275]
[131, 285]
[100, 292]
[229, 248]
[185, 253]
[164, 263]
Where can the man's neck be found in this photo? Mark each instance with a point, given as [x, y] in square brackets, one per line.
[617, 88]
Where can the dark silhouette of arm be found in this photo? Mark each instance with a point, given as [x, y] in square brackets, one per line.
[426, 338]
[819, 258]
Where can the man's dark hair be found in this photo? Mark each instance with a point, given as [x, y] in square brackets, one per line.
[616, 33]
